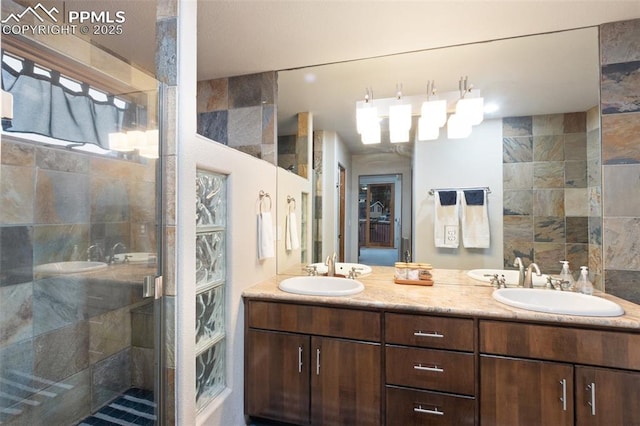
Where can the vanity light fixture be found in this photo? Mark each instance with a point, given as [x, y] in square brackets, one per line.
[367, 123]
[7, 106]
[399, 119]
[465, 109]
[118, 141]
[433, 115]
[470, 108]
[145, 141]
[458, 127]
[469, 112]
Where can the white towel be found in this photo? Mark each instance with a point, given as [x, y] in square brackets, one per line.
[475, 224]
[265, 236]
[292, 242]
[446, 223]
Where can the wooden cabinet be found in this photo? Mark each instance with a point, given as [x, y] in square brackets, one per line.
[527, 375]
[328, 365]
[525, 392]
[345, 382]
[277, 376]
[607, 397]
[296, 372]
[429, 370]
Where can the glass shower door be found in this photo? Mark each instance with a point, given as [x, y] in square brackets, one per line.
[79, 234]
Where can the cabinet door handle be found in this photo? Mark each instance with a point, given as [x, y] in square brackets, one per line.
[428, 334]
[318, 362]
[563, 398]
[433, 368]
[434, 411]
[592, 403]
[299, 359]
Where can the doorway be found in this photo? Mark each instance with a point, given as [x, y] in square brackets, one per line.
[379, 210]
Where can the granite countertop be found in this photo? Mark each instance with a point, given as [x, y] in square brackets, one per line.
[453, 293]
[117, 273]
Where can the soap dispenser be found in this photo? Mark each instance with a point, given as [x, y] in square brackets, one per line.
[584, 285]
[568, 283]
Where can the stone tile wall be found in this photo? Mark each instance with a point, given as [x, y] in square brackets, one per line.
[67, 328]
[547, 190]
[240, 112]
[620, 98]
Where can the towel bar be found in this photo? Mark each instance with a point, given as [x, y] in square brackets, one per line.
[263, 195]
[291, 200]
[485, 188]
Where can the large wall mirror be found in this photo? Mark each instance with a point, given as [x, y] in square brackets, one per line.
[538, 152]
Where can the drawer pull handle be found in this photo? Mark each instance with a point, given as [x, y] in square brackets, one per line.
[299, 359]
[433, 368]
[592, 387]
[434, 411]
[318, 362]
[563, 398]
[428, 334]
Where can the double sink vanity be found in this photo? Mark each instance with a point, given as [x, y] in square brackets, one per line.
[446, 354]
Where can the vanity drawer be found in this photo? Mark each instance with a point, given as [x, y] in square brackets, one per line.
[413, 407]
[429, 331]
[430, 369]
[317, 320]
[579, 346]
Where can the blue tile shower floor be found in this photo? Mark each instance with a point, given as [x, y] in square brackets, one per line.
[134, 407]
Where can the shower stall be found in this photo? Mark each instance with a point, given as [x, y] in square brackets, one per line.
[80, 241]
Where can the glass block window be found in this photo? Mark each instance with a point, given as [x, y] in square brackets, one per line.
[211, 230]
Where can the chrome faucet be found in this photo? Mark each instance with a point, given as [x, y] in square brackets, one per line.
[115, 247]
[520, 265]
[94, 252]
[528, 279]
[331, 265]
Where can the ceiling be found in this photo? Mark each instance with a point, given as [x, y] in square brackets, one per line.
[237, 37]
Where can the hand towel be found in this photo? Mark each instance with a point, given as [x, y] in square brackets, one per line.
[446, 220]
[265, 236]
[475, 219]
[292, 242]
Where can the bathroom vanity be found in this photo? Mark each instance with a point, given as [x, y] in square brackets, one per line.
[442, 355]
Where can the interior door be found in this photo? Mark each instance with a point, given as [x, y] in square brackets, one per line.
[377, 220]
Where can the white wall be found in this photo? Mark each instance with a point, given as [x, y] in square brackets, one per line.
[457, 163]
[293, 185]
[246, 177]
[334, 152]
[380, 164]
[244, 268]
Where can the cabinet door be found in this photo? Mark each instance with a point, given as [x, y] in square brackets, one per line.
[525, 392]
[277, 376]
[345, 382]
[607, 397]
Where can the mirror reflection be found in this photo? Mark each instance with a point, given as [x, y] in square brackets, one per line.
[537, 150]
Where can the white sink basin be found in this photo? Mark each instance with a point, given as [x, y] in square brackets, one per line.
[71, 267]
[510, 276]
[321, 286]
[557, 302]
[344, 268]
[135, 257]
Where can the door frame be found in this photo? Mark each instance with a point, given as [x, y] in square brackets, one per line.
[342, 211]
[396, 179]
